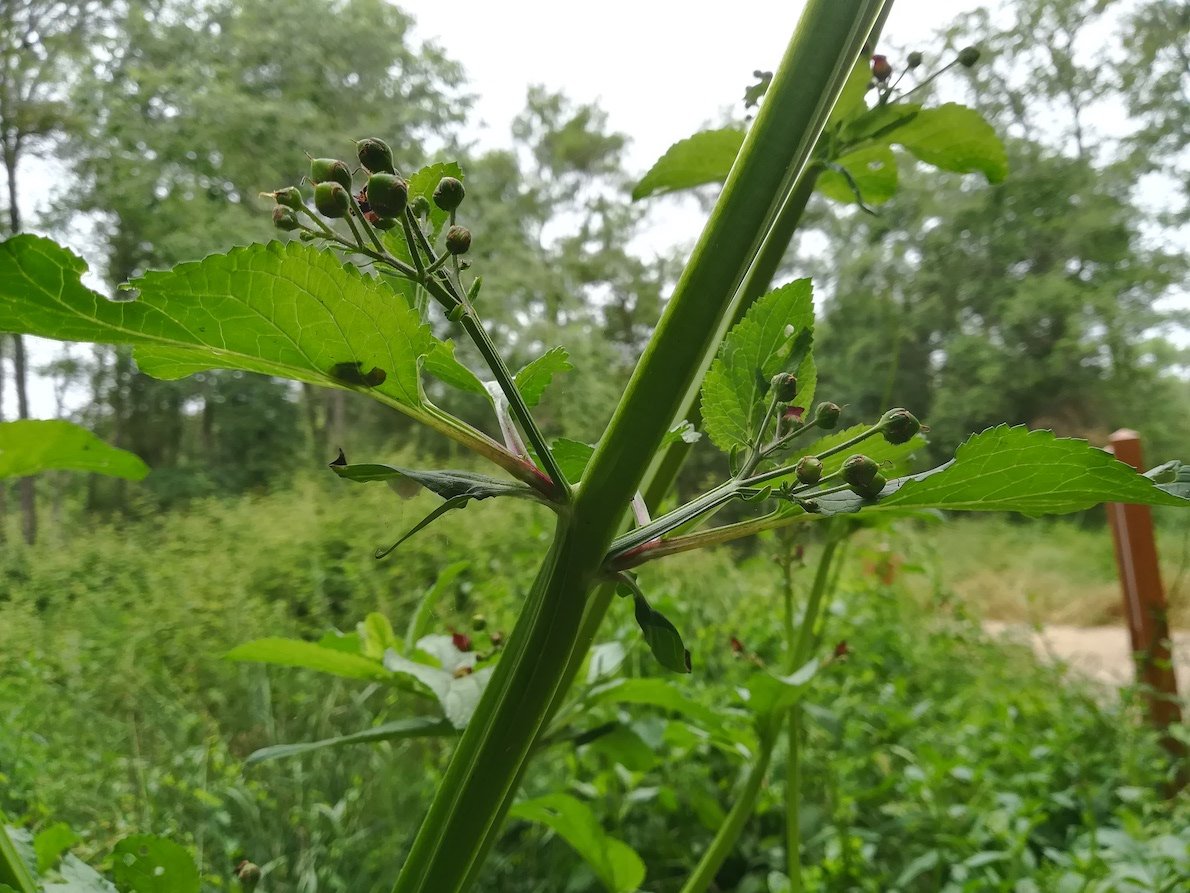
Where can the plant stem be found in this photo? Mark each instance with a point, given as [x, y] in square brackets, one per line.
[13, 870]
[492, 753]
[729, 832]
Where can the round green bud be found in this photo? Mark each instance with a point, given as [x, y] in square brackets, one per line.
[385, 223]
[330, 170]
[479, 623]
[914, 59]
[448, 194]
[872, 488]
[968, 56]
[809, 470]
[826, 416]
[388, 194]
[332, 200]
[289, 197]
[284, 219]
[783, 387]
[859, 470]
[420, 206]
[458, 240]
[899, 426]
[375, 155]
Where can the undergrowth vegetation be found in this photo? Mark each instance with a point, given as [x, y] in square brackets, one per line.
[936, 758]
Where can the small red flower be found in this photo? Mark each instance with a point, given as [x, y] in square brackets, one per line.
[461, 641]
[793, 413]
[841, 650]
[737, 647]
[881, 69]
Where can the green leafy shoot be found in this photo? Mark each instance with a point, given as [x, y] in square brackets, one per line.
[535, 377]
[704, 158]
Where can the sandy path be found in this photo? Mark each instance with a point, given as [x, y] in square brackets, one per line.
[1101, 652]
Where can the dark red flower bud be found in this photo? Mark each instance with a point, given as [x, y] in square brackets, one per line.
[881, 69]
[461, 641]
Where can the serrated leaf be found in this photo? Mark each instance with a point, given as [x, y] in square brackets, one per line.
[283, 309]
[425, 181]
[30, 446]
[871, 172]
[955, 138]
[536, 376]
[616, 864]
[441, 363]
[704, 158]
[144, 863]
[1012, 469]
[572, 457]
[284, 652]
[398, 730]
[757, 348]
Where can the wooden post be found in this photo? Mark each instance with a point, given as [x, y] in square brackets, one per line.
[1144, 598]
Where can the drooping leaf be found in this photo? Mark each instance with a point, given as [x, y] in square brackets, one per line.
[458, 488]
[616, 864]
[283, 309]
[441, 363]
[308, 655]
[536, 376]
[955, 138]
[1012, 469]
[425, 181]
[50, 843]
[871, 177]
[31, 446]
[760, 345]
[572, 457]
[144, 863]
[660, 634]
[704, 158]
[398, 730]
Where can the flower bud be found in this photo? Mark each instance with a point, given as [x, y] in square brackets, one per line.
[881, 69]
[968, 56]
[387, 194]
[479, 623]
[420, 206]
[248, 874]
[872, 488]
[385, 223]
[809, 470]
[913, 60]
[899, 426]
[284, 219]
[783, 387]
[826, 416]
[289, 197]
[307, 236]
[448, 194]
[859, 470]
[375, 155]
[330, 170]
[331, 199]
[458, 240]
[461, 641]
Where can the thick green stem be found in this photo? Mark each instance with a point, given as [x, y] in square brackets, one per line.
[492, 753]
[729, 832]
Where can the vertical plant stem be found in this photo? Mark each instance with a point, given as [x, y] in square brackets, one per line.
[13, 870]
[493, 751]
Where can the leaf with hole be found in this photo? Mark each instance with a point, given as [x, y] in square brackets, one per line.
[144, 863]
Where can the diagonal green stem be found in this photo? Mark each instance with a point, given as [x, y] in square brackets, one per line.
[493, 751]
[13, 870]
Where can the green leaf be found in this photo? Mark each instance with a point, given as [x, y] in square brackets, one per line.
[655, 692]
[759, 346]
[375, 635]
[441, 363]
[1012, 469]
[456, 684]
[457, 487]
[17, 858]
[51, 843]
[283, 652]
[661, 635]
[872, 172]
[616, 864]
[769, 694]
[572, 457]
[147, 864]
[425, 181]
[78, 877]
[283, 309]
[878, 123]
[31, 446]
[536, 376]
[704, 158]
[1172, 477]
[851, 101]
[955, 138]
[398, 730]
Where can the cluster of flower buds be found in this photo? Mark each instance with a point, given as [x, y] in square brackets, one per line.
[883, 70]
